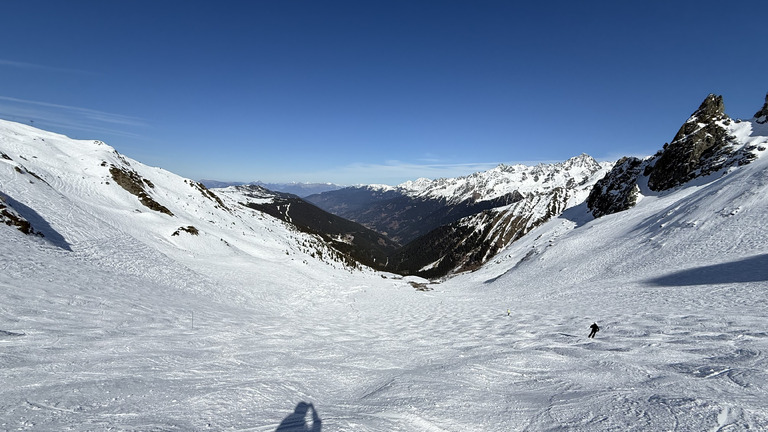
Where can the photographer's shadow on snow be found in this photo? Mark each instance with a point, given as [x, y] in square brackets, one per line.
[752, 269]
[298, 422]
[38, 223]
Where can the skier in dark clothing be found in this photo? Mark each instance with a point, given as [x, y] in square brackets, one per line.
[594, 329]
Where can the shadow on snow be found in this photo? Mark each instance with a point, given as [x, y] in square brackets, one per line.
[38, 223]
[297, 421]
[752, 269]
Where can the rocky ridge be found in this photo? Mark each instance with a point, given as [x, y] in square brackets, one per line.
[707, 143]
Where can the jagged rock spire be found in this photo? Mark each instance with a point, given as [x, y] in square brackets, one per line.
[762, 115]
[689, 153]
[710, 111]
[711, 107]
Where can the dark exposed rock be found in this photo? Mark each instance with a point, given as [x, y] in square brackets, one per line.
[618, 190]
[187, 229]
[700, 147]
[132, 182]
[11, 218]
[762, 115]
[463, 245]
[23, 170]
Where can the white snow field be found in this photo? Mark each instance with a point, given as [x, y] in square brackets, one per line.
[110, 322]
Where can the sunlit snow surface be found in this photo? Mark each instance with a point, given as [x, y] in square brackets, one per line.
[111, 323]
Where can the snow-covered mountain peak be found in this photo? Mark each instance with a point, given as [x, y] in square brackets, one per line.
[506, 179]
[419, 185]
[582, 161]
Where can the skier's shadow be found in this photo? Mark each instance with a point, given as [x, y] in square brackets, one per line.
[297, 422]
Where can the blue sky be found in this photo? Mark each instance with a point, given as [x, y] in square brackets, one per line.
[375, 91]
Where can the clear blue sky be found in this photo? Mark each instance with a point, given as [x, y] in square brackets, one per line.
[375, 91]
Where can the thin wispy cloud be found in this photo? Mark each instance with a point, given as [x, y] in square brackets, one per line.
[92, 114]
[34, 66]
[69, 117]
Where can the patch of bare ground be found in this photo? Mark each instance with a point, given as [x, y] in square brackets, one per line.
[132, 182]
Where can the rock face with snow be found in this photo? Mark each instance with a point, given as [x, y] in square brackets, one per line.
[701, 146]
[300, 189]
[470, 242]
[617, 191]
[762, 115]
[707, 143]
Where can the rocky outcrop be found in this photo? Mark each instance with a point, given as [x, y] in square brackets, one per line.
[762, 115]
[618, 190]
[703, 145]
[132, 182]
[698, 148]
[187, 229]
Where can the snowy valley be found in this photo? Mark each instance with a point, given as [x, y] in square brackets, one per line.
[137, 300]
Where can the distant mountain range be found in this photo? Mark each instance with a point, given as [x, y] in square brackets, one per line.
[449, 225]
[300, 189]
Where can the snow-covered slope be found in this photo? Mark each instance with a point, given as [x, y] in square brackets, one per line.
[110, 322]
[678, 284]
[82, 194]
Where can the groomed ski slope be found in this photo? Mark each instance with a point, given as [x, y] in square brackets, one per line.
[117, 326]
